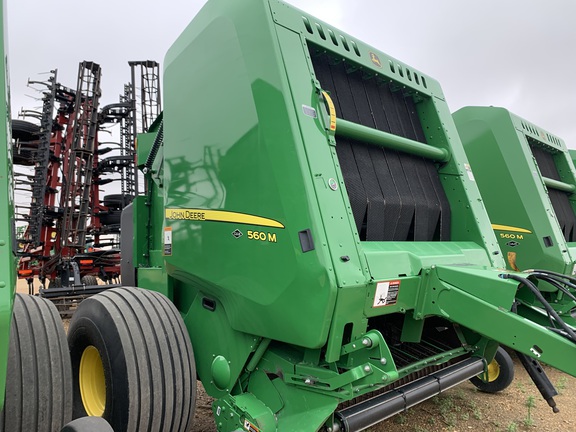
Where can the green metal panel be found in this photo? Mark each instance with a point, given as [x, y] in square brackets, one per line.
[247, 160]
[7, 258]
[572, 154]
[513, 188]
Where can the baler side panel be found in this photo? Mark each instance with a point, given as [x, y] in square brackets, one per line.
[246, 162]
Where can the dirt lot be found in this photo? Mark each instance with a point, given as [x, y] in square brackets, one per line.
[518, 408]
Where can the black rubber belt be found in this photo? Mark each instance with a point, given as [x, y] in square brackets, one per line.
[394, 196]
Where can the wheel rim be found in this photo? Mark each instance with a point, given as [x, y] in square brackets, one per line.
[92, 382]
[493, 371]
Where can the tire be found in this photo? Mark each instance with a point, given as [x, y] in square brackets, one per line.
[88, 424]
[39, 377]
[500, 373]
[132, 347]
[112, 218]
[27, 135]
[90, 280]
[117, 201]
[25, 130]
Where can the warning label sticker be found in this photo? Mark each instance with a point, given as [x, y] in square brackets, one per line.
[386, 293]
[168, 241]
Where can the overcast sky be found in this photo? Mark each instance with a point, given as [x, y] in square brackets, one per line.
[519, 54]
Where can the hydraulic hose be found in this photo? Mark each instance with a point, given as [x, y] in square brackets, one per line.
[557, 284]
[556, 278]
[550, 272]
[569, 332]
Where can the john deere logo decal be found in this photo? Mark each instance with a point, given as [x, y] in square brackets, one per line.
[375, 60]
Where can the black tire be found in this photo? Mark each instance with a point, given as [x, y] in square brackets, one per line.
[26, 134]
[89, 280]
[111, 218]
[117, 201]
[26, 130]
[88, 424]
[39, 377]
[500, 373]
[136, 334]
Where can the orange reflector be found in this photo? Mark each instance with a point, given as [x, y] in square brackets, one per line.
[86, 262]
[24, 272]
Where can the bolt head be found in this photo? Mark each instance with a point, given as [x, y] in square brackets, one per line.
[367, 368]
[383, 361]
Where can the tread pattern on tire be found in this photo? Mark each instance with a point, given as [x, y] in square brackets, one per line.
[146, 331]
[39, 377]
[110, 218]
[88, 424]
[89, 280]
[117, 201]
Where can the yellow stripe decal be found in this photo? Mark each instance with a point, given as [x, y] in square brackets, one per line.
[200, 215]
[331, 110]
[510, 228]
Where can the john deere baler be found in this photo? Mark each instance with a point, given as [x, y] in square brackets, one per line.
[311, 213]
[527, 180]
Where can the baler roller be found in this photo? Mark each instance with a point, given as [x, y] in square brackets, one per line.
[370, 412]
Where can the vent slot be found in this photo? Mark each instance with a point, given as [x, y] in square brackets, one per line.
[394, 196]
[321, 31]
[307, 25]
[335, 38]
